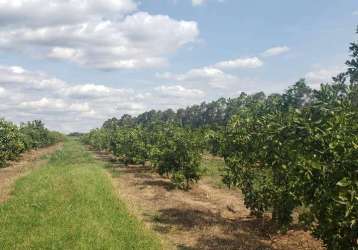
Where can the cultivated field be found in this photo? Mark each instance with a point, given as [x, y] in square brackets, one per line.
[252, 172]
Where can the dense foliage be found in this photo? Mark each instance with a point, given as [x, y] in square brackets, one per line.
[300, 149]
[177, 151]
[15, 140]
[11, 142]
[170, 149]
[290, 152]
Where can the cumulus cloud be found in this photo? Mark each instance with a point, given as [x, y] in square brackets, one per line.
[90, 90]
[44, 103]
[252, 62]
[2, 91]
[198, 2]
[179, 91]
[55, 106]
[28, 95]
[214, 75]
[275, 51]
[59, 12]
[201, 2]
[322, 75]
[131, 108]
[12, 75]
[106, 34]
[211, 76]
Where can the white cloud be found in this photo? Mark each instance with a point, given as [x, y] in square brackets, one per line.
[252, 62]
[65, 54]
[44, 103]
[211, 76]
[90, 90]
[198, 2]
[52, 107]
[318, 76]
[214, 76]
[180, 91]
[106, 34]
[275, 51]
[17, 70]
[201, 2]
[131, 108]
[59, 12]
[2, 91]
[80, 107]
[70, 107]
[87, 90]
[355, 13]
[17, 75]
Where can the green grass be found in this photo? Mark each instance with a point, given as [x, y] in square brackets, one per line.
[70, 204]
[213, 170]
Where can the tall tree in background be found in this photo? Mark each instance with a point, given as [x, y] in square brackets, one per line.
[353, 62]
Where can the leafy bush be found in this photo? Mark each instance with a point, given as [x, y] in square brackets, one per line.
[288, 155]
[11, 142]
[179, 155]
[172, 150]
[36, 135]
[327, 176]
[129, 144]
[14, 140]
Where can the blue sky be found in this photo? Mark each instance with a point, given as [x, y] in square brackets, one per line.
[76, 63]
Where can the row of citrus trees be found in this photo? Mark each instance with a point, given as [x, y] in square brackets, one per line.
[170, 149]
[285, 158]
[15, 140]
[289, 153]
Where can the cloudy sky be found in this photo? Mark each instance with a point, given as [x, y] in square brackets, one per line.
[75, 63]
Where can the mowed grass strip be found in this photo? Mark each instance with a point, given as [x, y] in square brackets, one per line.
[70, 204]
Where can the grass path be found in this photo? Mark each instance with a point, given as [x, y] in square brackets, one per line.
[70, 204]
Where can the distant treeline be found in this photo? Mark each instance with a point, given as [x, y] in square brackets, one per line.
[206, 115]
[76, 134]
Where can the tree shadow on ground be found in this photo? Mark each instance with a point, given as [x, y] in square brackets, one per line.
[237, 241]
[206, 228]
[235, 234]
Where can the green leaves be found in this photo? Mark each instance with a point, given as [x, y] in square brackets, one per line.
[11, 142]
[14, 140]
[179, 155]
[172, 150]
[343, 183]
[293, 154]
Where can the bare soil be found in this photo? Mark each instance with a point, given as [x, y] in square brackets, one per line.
[206, 217]
[27, 162]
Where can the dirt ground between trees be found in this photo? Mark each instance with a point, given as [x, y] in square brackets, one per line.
[15, 169]
[206, 217]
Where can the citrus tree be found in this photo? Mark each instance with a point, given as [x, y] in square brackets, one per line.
[285, 156]
[128, 144]
[178, 154]
[11, 142]
[15, 140]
